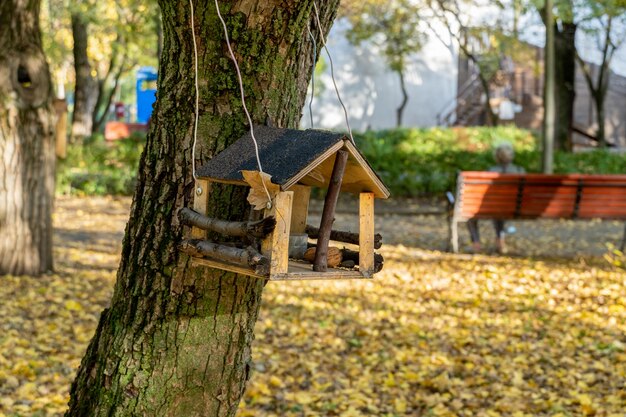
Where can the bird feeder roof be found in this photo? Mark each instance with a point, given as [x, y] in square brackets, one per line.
[294, 157]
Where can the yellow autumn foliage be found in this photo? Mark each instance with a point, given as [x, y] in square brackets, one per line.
[433, 334]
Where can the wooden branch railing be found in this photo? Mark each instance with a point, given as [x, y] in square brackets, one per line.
[248, 257]
[341, 236]
[254, 229]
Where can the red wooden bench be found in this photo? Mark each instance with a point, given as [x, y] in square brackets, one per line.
[490, 195]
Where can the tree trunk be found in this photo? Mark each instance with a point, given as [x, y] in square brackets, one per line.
[26, 143]
[565, 83]
[598, 97]
[405, 99]
[104, 96]
[492, 118]
[176, 340]
[85, 90]
[549, 93]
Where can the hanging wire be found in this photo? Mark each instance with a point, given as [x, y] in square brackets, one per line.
[312, 74]
[332, 71]
[243, 103]
[195, 123]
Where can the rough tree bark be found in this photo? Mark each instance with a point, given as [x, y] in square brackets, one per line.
[176, 339]
[26, 143]
[85, 90]
[565, 82]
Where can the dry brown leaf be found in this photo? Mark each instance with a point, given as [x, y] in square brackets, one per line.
[257, 197]
[433, 334]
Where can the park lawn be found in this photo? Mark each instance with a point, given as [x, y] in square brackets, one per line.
[434, 334]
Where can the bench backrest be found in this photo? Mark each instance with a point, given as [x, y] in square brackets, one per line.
[493, 195]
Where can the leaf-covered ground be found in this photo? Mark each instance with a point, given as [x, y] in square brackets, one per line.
[434, 334]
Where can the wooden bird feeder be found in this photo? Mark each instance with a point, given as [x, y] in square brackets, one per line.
[296, 160]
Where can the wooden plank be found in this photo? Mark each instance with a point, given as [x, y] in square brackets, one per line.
[491, 195]
[313, 165]
[616, 205]
[300, 208]
[200, 203]
[214, 263]
[366, 233]
[359, 176]
[304, 271]
[380, 190]
[276, 245]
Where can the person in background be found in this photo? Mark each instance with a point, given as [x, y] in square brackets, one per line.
[504, 155]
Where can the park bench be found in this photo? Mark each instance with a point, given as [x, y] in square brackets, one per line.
[491, 195]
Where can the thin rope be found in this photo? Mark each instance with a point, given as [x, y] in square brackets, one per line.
[243, 102]
[195, 123]
[332, 71]
[312, 74]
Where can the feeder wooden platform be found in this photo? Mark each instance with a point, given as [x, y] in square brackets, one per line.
[296, 271]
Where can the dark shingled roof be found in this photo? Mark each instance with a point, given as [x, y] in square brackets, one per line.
[283, 152]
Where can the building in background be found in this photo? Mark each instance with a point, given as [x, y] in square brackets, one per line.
[371, 92]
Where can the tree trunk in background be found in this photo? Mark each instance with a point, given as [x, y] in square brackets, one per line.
[405, 99]
[565, 83]
[26, 143]
[104, 95]
[548, 93]
[491, 117]
[600, 119]
[85, 90]
[176, 340]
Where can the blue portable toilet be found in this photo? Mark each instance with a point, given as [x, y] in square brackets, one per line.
[146, 92]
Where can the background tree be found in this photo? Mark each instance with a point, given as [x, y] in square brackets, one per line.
[549, 93]
[565, 29]
[26, 142]
[394, 27]
[110, 37]
[57, 41]
[606, 21]
[176, 339]
[483, 43]
[85, 84]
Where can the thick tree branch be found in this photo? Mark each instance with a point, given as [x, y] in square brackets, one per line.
[253, 229]
[249, 256]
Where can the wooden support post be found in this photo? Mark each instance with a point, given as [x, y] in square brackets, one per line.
[328, 215]
[300, 209]
[200, 203]
[276, 245]
[366, 234]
